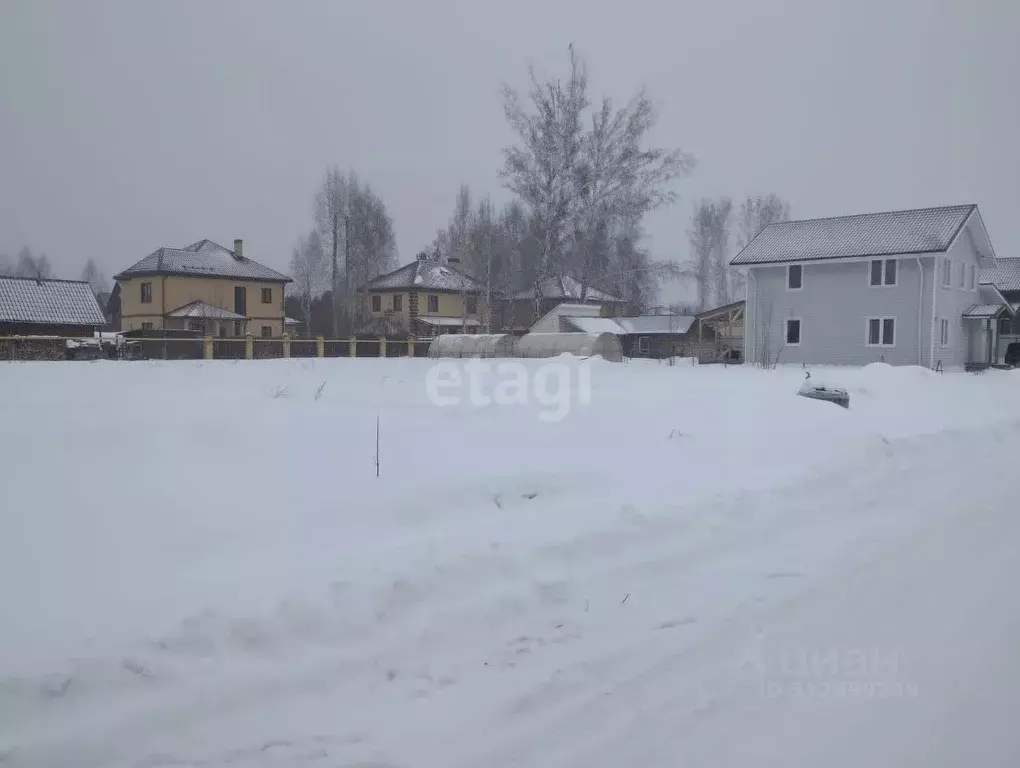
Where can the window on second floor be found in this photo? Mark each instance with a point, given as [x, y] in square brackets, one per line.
[794, 277]
[146, 293]
[267, 295]
[947, 273]
[963, 275]
[433, 304]
[472, 305]
[377, 303]
[398, 302]
[884, 271]
[971, 270]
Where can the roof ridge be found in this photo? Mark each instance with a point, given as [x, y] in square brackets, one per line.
[971, 206]
[43, 279]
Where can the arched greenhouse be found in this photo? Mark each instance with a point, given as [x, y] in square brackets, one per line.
[607, 345]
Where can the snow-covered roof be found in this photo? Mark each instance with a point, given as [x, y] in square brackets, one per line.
[986, 310]
[640, 324]
[52, 302]
[202, 258]
[592, 325]
[447, 322]
[207, 311]
[651, 324]
[565, 287]
[1005, 275]
[426, 275]
[923, 230]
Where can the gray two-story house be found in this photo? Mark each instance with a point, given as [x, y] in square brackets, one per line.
[901, 287]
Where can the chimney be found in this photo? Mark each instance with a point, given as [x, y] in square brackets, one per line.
[239, 249]
[423, 256]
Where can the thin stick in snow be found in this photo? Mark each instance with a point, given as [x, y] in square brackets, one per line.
[377, 446]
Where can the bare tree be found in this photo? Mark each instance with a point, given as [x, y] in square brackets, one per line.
[756, 212]
[6, 267]
[97, 281]
[617, 179]
[331, 216]
[354, 226]
[28, 265]
[709, 238]
[310, 271]
[540, 169]
[371, 242]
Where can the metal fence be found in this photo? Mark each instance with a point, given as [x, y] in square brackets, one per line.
[204, 348]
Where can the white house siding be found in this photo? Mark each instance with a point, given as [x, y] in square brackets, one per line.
[952, 302]
[834, 305]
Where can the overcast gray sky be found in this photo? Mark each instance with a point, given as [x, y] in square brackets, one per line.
[126, 125]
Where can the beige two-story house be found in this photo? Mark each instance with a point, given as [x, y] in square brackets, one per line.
[203, 287]
[427, 298]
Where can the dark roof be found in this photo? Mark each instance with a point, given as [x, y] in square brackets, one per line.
[565, 287]
[202, 258]
[48, 302]
[721, 308]
[923, 230]
[426, 275]
[1005, 275]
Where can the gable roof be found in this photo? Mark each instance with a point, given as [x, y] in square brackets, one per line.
[566, 287]
[204, 258]
[425, 275]
[51, 302]
[202, 310]
[922, 230]
[1005, 275]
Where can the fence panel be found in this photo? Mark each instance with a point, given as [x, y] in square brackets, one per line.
[228, 349]
[304, 348]
[267, 349]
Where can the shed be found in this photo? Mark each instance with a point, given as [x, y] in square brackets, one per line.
[607, 345]
[36, 307]
[472, 345]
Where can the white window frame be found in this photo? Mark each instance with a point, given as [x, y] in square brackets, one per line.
[786, 332]
[963, 275]
[801, 286]
[881, 331]
[882, 281]
[947, 273]
[972, 277]
[943, 333]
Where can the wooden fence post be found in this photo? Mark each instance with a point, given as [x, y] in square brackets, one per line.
[207, 348]
[410, 346]
[249, 347]
[382, 346]
[352, 347]
[320, 346]
[286, 345]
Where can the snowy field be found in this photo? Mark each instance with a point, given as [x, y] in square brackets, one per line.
[695, 567]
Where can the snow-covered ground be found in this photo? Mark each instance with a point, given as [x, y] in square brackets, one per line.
[696, 567]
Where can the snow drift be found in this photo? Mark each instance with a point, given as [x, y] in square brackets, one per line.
[198, 566]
